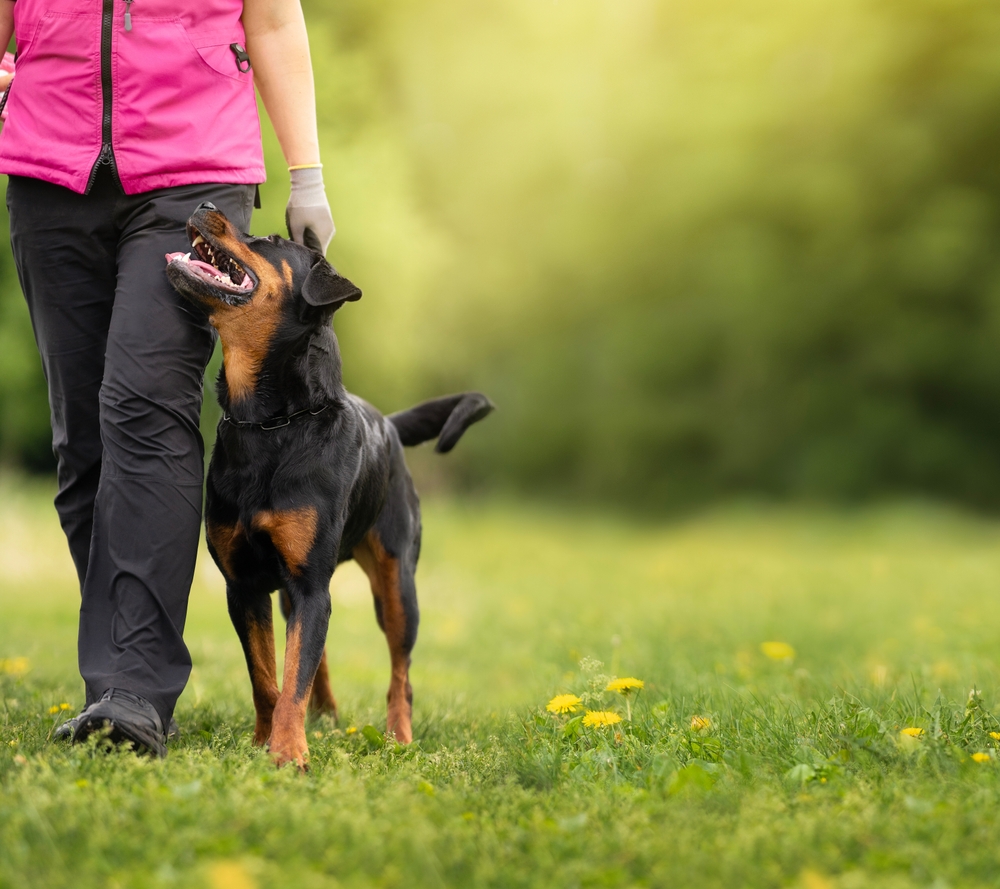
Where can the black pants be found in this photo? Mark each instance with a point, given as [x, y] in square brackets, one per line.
[124, 357]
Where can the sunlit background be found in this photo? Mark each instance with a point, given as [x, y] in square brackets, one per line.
[691, 250]
[724, 266]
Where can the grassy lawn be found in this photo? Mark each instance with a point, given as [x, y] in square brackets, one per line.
[736, 769]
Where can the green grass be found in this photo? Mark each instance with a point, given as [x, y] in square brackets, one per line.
[801, 778]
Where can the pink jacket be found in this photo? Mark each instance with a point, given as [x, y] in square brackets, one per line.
[150, 86]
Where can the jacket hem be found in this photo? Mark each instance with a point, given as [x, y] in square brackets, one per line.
[154, 181]
[136, 184]
[72, 181]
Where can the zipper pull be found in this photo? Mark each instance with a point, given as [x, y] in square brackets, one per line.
[105, 157]
[242, 58]
[128, 14]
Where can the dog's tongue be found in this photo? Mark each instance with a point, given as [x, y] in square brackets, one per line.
[210, 270]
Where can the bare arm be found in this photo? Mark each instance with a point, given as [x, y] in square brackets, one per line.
[279, 51]
[6, 31]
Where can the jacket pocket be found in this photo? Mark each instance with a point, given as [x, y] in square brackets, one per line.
[177, 105]
[54, 113]
[215, 50]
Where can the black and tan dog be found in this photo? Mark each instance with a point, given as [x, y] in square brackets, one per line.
[304, 475]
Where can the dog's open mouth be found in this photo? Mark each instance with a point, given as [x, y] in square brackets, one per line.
[214, 265]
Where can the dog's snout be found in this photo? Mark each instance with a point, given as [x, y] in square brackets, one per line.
[207, 205]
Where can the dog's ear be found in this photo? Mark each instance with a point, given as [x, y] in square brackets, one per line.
[324, 287]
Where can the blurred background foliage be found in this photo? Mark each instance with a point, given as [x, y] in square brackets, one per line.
[691, 250]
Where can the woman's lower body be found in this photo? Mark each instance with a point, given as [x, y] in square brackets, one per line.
[124, 357]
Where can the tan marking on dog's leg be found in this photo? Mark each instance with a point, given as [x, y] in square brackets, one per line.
[263, 677]
[224, 539]
[288, 730]
[383, 574]
[321, 701]
[292, 532]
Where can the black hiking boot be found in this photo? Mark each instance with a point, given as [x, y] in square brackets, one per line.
[66, 731]
[127, 718]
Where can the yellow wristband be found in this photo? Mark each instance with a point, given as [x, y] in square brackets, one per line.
[304, 167]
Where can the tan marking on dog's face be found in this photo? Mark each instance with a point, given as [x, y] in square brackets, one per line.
[247, 330]
[225, 539]
[292, 532]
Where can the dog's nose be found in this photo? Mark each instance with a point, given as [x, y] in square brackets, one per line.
[207, 205]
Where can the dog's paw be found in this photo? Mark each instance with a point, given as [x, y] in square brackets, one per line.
[283, 757]
[398, 724]
[288, 745]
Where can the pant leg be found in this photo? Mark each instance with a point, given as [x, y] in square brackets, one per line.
[147, 514]
[64, 247]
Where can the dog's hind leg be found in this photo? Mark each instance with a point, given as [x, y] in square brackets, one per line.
[395, 593]
[250, 612]
[321, 700]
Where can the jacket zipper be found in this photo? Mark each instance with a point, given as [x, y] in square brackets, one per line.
[6, 95]
[6, 92]
[107, 155]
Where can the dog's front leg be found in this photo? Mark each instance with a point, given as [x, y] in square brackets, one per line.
[250, 612]
[321, 701]
[308, 621]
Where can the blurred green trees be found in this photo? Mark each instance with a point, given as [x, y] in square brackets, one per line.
[689, 249]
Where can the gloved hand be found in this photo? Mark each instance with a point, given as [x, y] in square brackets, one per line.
[308, 215]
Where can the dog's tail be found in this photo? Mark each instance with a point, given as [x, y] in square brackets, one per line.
[442, 418]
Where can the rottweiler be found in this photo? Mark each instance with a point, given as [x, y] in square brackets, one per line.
[304, 475]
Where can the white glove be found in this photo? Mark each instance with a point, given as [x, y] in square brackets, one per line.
[308, 215]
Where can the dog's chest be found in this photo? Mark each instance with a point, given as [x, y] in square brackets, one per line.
[273, 496]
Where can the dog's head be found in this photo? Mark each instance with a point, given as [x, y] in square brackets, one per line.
[259, 293]
[228, 270]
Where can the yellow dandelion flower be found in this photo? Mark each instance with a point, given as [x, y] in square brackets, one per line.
[995, 736]
[53, 709]
[65, 706]
[597, 718]
[778, 651]
[912, 732]
[14, 666]
[564, 704]
[700, 723]
[350, 730]
[981, 757]
[625, 686]
[230, 875]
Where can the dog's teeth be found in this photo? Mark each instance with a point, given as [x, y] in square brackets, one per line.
[198, 239]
